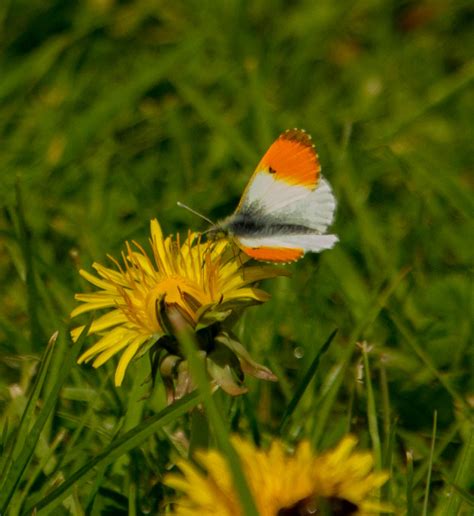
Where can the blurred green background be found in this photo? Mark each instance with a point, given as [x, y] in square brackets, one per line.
[111, 111]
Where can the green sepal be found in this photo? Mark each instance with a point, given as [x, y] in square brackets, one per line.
[248, 364]
[145, 347]
[224, 368]
[209, 316]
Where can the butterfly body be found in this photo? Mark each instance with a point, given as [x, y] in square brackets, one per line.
[286, 207]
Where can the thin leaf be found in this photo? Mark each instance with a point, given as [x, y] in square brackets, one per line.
[370, 315]
[428, 362]
[33, 299]
[21, 462]
[18, 438]
[300, 390]
[451, 502]
[117, 448]
[428, 478]
[372, 409]
[410, 511]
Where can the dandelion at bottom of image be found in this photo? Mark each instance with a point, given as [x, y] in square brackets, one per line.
[339, 482]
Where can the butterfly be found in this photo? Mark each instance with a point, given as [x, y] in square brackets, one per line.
[287, 205]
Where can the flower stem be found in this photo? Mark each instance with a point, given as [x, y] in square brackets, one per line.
[199, 430]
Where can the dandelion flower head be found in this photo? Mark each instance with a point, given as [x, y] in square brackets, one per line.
[205, 281]
[339, 481]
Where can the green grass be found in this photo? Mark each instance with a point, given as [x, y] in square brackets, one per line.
[111, 112]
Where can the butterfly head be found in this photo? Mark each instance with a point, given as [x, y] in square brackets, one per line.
[216, 232]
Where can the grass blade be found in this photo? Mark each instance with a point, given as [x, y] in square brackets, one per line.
[428, 479]
[16, 504]
[325, 405]
[300, 390]
[456, 492]
[252, 420]
[428, 362]
[118, 447]
[409, 492]
[21, 462]
[33, 301]
[25, 423]
[372, 409]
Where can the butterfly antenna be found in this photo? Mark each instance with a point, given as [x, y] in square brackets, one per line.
[181, 205]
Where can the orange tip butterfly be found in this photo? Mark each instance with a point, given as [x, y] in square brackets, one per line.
[287, 205]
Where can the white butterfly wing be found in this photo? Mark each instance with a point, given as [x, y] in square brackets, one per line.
[267, 194]
[315, 210]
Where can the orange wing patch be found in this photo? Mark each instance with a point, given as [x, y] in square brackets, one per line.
[292, 158]
[273, 254]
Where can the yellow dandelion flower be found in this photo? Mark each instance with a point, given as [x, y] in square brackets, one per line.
[206, 282]
[338, 481]
[343, 474]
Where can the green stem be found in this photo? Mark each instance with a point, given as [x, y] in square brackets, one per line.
[199, 430]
